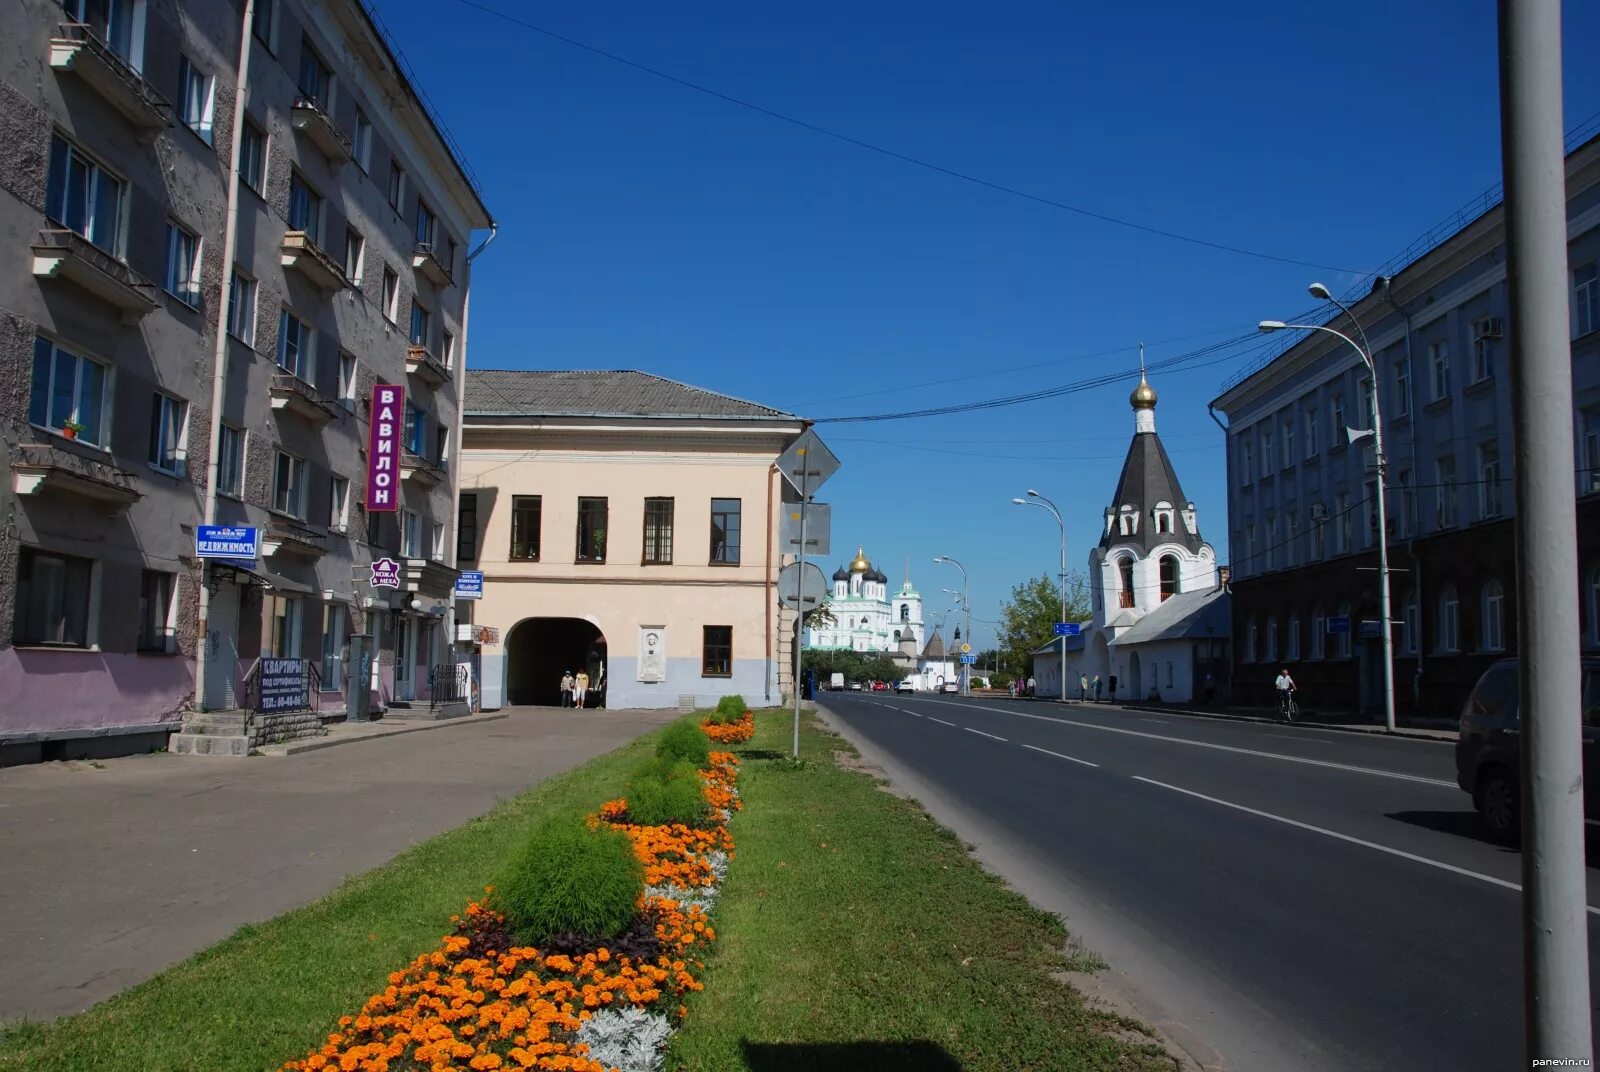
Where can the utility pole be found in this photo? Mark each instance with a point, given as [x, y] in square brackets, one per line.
[1554, 903]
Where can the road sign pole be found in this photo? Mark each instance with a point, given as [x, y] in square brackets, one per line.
[800, 601]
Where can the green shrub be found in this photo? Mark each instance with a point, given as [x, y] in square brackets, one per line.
[683, 740]
[665, 794]
[730, 709]
[568, 878]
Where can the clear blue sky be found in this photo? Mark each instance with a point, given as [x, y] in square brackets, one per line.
[644, 225]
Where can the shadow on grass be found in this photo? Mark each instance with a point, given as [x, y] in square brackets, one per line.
[916, 1056]
[760, 753]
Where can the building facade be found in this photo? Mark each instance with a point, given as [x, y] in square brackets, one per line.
[154, 384]
[866, 617]
[626, 527]
[1302, 495]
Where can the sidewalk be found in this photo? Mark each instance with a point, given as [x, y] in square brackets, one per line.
[1416, 728]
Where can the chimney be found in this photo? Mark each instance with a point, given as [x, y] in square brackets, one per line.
[1224, 575]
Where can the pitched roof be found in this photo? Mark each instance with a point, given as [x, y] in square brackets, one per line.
[1147, 479]
[596, 393]
[1183, 616]
[934, 649]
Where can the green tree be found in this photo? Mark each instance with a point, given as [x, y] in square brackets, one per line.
[854, 665]
[1027, 619]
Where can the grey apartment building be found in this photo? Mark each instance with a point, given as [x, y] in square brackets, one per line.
[1301, 498]
[153, 383]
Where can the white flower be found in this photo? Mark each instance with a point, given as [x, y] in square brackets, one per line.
[627, 1038]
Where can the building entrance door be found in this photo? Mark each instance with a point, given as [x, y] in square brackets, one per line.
[405, 659]
[222, 649]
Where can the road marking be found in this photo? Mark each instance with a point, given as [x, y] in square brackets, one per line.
[940, 721]
[1220, 747]
[980, 733]
[1413, 857]
[1058, 755]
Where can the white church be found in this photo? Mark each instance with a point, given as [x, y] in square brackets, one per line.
[1160, 618]
[867, 619]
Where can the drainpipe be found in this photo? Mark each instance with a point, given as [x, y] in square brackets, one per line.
[1411, 531]
[772, 472]
[219, 362]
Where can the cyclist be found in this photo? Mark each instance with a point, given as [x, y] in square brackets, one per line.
[1286, 690]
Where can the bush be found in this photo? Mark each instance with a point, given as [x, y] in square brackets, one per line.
[730, 709]
[684, 741]
[1001, 680]
[569, 878]
[664, 794]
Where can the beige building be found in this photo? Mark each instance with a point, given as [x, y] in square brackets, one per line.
[626, 527]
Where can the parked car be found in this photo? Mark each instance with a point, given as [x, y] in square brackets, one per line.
[950, 686]
[904, 686]
[855, 686]
[836, 681]
[1489, 748]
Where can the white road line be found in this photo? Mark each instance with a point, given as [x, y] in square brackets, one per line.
[1058, 755]
[1345, 837]
[1219, 747]
[940, 721]
[980, 733]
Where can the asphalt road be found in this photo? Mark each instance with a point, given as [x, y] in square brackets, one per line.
[1274, 897]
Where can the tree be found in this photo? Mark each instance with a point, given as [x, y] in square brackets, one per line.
[1027, 619]
[854, 665]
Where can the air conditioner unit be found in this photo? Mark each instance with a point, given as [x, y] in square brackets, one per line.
[1492, 328]
[1319, 512]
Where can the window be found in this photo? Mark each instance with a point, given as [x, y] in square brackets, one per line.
[82, 196]
[242, 308]
[467, 527]
[282, 638]
[1494, 612]
[168, 428]
[1489, 480]
[391, 294]
[410, 534]
[716, 651]
[335, 633]
[1485, 332]
[1445, 514]
[725, 531]
[1439, 364]
[305, 208]
[1125, 576]
[1169, 577]
[1272, 638]
[295, 350]
[195, 93]
[1319, 533]
[1250, 635]
[316, 80]
[1311, 431]
[1247, 461]
[1410, 625]
[1408, 504]
[447, 255]
[347, 380]
[1342, 641]
[355, 248]
[339, 504]
[421, 325]
[1288, 442]
[230, 461]
[253, 155]
[1266, 451]
[416, 430]
[436, 541]
[658, 531]
[183, 265]
[156, 632]
[69, 390]
[397, 185]
[591, 529]
[427, 224]
[1402, 389]
[1586, 298]
[1448, 636]
[361, 144]
[1293, 643]
[1589, 478]
[1341, 523]
[263, 19]
[1319, 633]
[1368, 421]
[1291, 535]
[1337, 427]
[289, 485]
[525, 518]
[441, 443]
[905, 612]
[52, 599]
[110, 20]
[447, 351]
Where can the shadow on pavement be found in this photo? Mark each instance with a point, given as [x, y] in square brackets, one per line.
[916, 1056]
[1467, 824]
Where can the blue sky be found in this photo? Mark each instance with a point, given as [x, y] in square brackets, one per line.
[644, 225]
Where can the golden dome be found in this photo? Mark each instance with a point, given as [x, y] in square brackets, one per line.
[1144, 396]
[859, 564]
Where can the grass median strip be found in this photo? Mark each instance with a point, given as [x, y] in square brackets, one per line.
[856, 933]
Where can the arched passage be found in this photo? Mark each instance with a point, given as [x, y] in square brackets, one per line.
[540, 650]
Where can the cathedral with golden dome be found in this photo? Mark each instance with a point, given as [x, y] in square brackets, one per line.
[866, 617]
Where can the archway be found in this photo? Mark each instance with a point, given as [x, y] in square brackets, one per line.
[1135, 686]
[540, 650]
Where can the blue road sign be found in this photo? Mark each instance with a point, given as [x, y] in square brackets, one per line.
[227, 541]
[470, 585]
[1370, 628]
[1339, 623]
[1068, 628]
[970, 660]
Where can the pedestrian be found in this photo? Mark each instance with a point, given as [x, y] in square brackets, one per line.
[1097, 688]
[1083, 687]
[580, 686]
[566, 688]
[1011, 689]
[1113, 685]
[1032, 686]
[1211, 688]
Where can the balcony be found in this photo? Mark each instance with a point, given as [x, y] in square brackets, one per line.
[301, 252]
[63, 254]
[294, 396]
[287, 538]
[414, 466]
[37, 467]
[421, 364]
[309, 119]
[78, 50]
[425, 260]
[430, 580]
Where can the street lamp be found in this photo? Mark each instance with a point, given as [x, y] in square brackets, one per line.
[1365, 350]
[966, 610]
[1044, 503]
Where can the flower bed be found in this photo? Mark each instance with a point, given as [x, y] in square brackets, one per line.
[736, 732]
[579, 1004]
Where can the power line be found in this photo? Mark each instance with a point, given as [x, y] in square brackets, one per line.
[903, 157]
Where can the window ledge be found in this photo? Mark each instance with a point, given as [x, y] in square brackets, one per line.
[81, 445]
[192, 306]
[92, 649]
[1438, 404]
[724, 565]
[296, 518]
[1478, 387]
[159, 653]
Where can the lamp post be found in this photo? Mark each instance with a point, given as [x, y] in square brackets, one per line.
[1043, 503]
[1365, 350]
[966, 610]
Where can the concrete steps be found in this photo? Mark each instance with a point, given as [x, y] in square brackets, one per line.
[237, 733]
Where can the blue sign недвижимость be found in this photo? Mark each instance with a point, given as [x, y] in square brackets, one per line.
[470, 585]
[227, 541]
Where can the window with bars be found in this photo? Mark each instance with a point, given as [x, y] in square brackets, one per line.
[526, 515]
[658, 531]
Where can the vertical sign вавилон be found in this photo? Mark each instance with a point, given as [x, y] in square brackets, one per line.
[383, 447]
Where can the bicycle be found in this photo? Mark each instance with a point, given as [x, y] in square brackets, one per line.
[1288, 705]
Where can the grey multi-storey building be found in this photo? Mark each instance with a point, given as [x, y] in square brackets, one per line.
[227, 221]
[1302, 498]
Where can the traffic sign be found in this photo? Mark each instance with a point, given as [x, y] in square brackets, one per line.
[1068, 628]
[1339, 623]
[227, 541]
[819, 520]
[970, 660]
[965, 648]
[808, 463]
[803, 590]
[1370, 628]
[470, 585]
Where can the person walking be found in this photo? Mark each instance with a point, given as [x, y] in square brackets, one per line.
[1032, 687]
[1113, 685]
[1083, 687]
[566, 688]
[580, 686]
[1097, 688]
